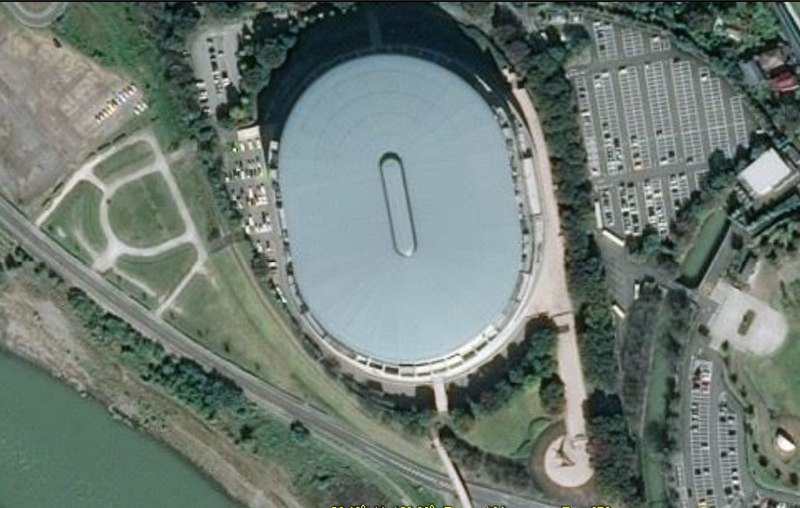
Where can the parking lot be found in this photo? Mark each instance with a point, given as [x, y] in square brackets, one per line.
[728, 451]
[700, 434]
[650, 118]
[215, 64]
[249, 188]
[713, 474]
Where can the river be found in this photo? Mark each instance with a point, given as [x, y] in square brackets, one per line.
[58, 449]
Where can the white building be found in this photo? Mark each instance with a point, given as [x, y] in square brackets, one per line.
[767, 176]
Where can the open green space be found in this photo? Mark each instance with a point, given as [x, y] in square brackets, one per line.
[142, 213]
[777, 375]
[197, 195]
[125, 161]
[147, 298]
[75, 224]
[512, 429]
[224, 311]
[704, 248]
[770, 384]
[656, 414]
[117, 34]
[162, 272]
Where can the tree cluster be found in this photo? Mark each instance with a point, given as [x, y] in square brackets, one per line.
[497, 469]
[532, 360]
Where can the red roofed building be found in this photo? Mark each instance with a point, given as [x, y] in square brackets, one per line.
[784, 82]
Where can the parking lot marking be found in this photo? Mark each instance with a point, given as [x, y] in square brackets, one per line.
[716, 122]
[688, 117]
[606, 205]
[729, 451]
[658, 97]
[700, 440]
[587, 122]
[632, 42]
[679, 189]
[659, 43]
[740, 132]
[609, 121]
[654, 205]
[633, 110]
[629, 208]
[605, 40]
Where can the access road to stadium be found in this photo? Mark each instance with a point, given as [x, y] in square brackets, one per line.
[36, 14]
[550, 296]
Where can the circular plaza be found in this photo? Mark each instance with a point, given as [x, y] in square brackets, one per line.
[399, 207]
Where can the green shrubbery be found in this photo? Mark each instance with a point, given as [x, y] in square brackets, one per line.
[316, 471]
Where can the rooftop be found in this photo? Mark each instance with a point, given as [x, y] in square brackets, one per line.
[399, 207]
[765, 173]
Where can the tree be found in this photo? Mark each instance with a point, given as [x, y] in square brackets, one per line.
[551, 393]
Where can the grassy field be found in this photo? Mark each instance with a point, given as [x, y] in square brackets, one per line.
[112, 33]
[124, 162]
[512, 430]
[777, 375]
[197, 195]
[239, 327]
[770, 383]
[160, 273]
[142, 213]
[705, 245]
[146, 298]
[656, 411]
[75, 224]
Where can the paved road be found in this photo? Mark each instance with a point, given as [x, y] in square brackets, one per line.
[45, 249]
[36, 19]
[789, 25]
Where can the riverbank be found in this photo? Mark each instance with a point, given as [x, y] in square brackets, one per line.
[34, 326]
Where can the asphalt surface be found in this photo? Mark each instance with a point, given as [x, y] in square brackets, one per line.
[39, 19]
[112, 299]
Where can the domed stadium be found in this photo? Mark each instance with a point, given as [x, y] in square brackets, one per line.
[399, 205]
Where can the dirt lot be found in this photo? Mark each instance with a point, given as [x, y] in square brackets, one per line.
[48, 100]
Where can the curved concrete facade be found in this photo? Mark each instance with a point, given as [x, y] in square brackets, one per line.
[404, 231]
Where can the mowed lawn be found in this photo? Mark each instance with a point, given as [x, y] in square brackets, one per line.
[218, 309]
[223, 311]
[142, 295]
[197, 195]
[143, 214]
[656, 411]
[160, 273]
[125, 161]
[512, 430]
[75, 224]
[777, 376]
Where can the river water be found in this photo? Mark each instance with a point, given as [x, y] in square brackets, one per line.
[58, 449]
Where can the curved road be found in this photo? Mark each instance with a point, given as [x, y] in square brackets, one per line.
[39, 19]
[112, 299]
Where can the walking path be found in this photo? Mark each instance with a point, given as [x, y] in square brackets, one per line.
[567, 460]
[455, 478]
[115, 247]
